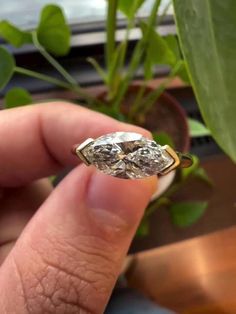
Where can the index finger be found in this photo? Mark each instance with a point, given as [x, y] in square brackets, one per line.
[36, 140]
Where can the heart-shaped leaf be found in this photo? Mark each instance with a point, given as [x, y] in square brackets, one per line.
[185, 214]
[129, 7]
[208, 40]
[14, 35]
[53, 32]
[17, 97]
[7, 64]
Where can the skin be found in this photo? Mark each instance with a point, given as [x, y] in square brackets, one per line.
[61, 250]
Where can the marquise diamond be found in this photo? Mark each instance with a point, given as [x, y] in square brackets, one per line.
[127, 155]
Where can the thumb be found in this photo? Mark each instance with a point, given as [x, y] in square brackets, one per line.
[69, 256]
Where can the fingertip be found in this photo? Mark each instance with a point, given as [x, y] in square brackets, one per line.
[124, 198]
[151, 184]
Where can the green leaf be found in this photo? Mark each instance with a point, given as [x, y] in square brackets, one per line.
[116, 64]
[196, 171]
[7, 64]
[148, 69]
[197, 129]
[53, 32]
[158, 51]
[143, 229]
[110, 111]
[129, 7]
[17, 97]
[163, 138]
[183, 73]
[14, 35]
[208, 40]
[52, 179]
[185, 214]
[172, 42]
[202, 175]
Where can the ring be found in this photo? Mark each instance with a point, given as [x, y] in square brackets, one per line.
[129, 155]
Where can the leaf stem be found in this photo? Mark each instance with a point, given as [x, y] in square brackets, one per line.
[110, 30]
[164, 13]
[90, 100]
[156, 204]
[148, 101]
[42, 77]
[135, 105]
[53, 61]
[137, 56]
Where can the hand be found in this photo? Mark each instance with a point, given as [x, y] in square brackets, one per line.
[68, 256]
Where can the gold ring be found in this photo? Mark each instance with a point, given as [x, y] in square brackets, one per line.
[129, 155]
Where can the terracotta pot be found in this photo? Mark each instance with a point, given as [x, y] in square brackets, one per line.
[166, 115]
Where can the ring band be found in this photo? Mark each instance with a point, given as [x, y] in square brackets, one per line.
[129, 155]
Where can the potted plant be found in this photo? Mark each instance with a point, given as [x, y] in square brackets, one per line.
[140, 104]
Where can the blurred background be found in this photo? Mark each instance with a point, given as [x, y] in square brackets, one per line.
[184, 255]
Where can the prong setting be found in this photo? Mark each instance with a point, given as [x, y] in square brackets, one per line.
[79, 150]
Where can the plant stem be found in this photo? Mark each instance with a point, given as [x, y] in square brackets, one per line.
[148, 101]
[130, 25]
[137, 56]
[121, 52]
[157, 203]
[52, 61]
[136, 103]
[110, 30]
[42, 77]
[90, 100]
[165, 11]
[164, 199]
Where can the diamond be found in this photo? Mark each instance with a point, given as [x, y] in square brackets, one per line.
[127, 155]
